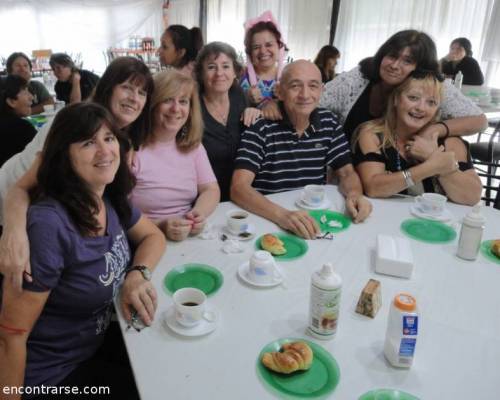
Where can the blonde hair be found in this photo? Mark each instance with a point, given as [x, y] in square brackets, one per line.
[168, 84]
[387, 124]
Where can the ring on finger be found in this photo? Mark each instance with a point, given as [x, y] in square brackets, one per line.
[407, 147]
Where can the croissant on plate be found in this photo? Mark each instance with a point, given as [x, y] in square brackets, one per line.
[495, 247]
[272, 244]
[292, 357]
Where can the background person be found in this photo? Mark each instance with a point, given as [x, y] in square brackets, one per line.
[73, 85]
[180, 46]
[125, 90]
[79, 227]
[460, 59]
[176, 186]
[361, 94]
[15, 104]
[326, 61]
[391, 158]
[265, 51]
[19, 64]
[223, 108]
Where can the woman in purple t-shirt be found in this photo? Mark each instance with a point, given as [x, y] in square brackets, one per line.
[79, 229]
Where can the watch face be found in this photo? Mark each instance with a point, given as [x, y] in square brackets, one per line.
[146, 273]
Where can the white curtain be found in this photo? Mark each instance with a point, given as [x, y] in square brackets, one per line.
[365, 24]
[491, 50]
[305, 24]
[84, 26]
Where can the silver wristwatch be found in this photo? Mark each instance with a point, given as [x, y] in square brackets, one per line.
[146, 273]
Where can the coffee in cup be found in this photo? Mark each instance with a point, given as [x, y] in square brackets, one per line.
[262, 267]
[237, 221]
[431, 203]
[313, 195]
[190, 304]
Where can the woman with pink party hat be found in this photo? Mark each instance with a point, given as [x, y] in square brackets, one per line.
[265, 51]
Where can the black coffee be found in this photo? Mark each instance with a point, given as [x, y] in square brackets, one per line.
[237, 216]
[190, 303]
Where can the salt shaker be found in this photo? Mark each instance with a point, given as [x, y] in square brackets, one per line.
[471, 234]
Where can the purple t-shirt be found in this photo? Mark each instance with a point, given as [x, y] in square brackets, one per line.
[84, 275]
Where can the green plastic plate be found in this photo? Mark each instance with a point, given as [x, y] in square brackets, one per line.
[319, 380]
[487, 253]
[428, 231]
[342, 220]
[387, 394]
[295, 247]
[200, 276]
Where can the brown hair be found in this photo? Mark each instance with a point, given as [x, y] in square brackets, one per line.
[261, 27]
[168, 84]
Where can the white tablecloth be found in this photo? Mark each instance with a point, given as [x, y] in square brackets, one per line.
[458, 348]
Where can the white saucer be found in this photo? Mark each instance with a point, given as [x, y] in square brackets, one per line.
[323, 206]
[48, 113]
[243, 274]
[444, 217]
[230, 235]
[203, 328]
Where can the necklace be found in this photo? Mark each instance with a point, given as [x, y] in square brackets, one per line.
[219, 116]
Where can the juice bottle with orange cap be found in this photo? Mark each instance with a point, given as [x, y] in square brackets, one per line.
[402, 331]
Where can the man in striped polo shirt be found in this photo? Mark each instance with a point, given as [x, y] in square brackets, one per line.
[276, 156]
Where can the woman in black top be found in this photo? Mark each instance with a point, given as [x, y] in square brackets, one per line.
[224, 109]
[391, 157]
[326, 61]
[15, 103]
[460, 59]
[73, 85]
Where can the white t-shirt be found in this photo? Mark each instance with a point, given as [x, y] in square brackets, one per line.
[16, 166]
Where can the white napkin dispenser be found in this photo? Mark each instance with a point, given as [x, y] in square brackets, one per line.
[394, 256]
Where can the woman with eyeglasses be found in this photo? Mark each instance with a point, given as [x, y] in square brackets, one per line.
[391, 157]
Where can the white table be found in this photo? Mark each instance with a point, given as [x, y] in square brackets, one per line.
[458, 349]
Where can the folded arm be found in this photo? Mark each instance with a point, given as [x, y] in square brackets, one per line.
[243, 194]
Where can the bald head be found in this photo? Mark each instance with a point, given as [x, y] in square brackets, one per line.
[300, 68]
[300, 89]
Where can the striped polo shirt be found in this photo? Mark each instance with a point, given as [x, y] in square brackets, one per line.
[281, 160]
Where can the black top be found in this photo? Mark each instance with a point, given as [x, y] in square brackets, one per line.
[360, 112]
[394, 162]
[469, 67]
[221, 142]
[88, 80]
[16, 133]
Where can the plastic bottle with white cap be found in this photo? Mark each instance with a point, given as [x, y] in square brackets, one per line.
[459, 77]
[326, 287]
[471, 234]
[402, 331]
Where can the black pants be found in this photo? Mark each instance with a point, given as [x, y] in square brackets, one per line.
[109, 368]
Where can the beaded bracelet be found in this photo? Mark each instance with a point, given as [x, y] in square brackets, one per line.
[446, 127]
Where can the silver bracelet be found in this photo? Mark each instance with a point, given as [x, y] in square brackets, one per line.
[408, 178]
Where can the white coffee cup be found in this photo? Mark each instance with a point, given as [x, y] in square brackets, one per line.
[262, 267]
[313, 195]
[48, 108]
[237, 221]
[431, 203]
[59, 105]
[190, 304]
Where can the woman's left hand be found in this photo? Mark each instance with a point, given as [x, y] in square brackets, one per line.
[421, 147]
[250, 115]
[140, 295]
[198, 219]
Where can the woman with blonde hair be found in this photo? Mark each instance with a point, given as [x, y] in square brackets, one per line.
[391, 157]
[176, 186]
